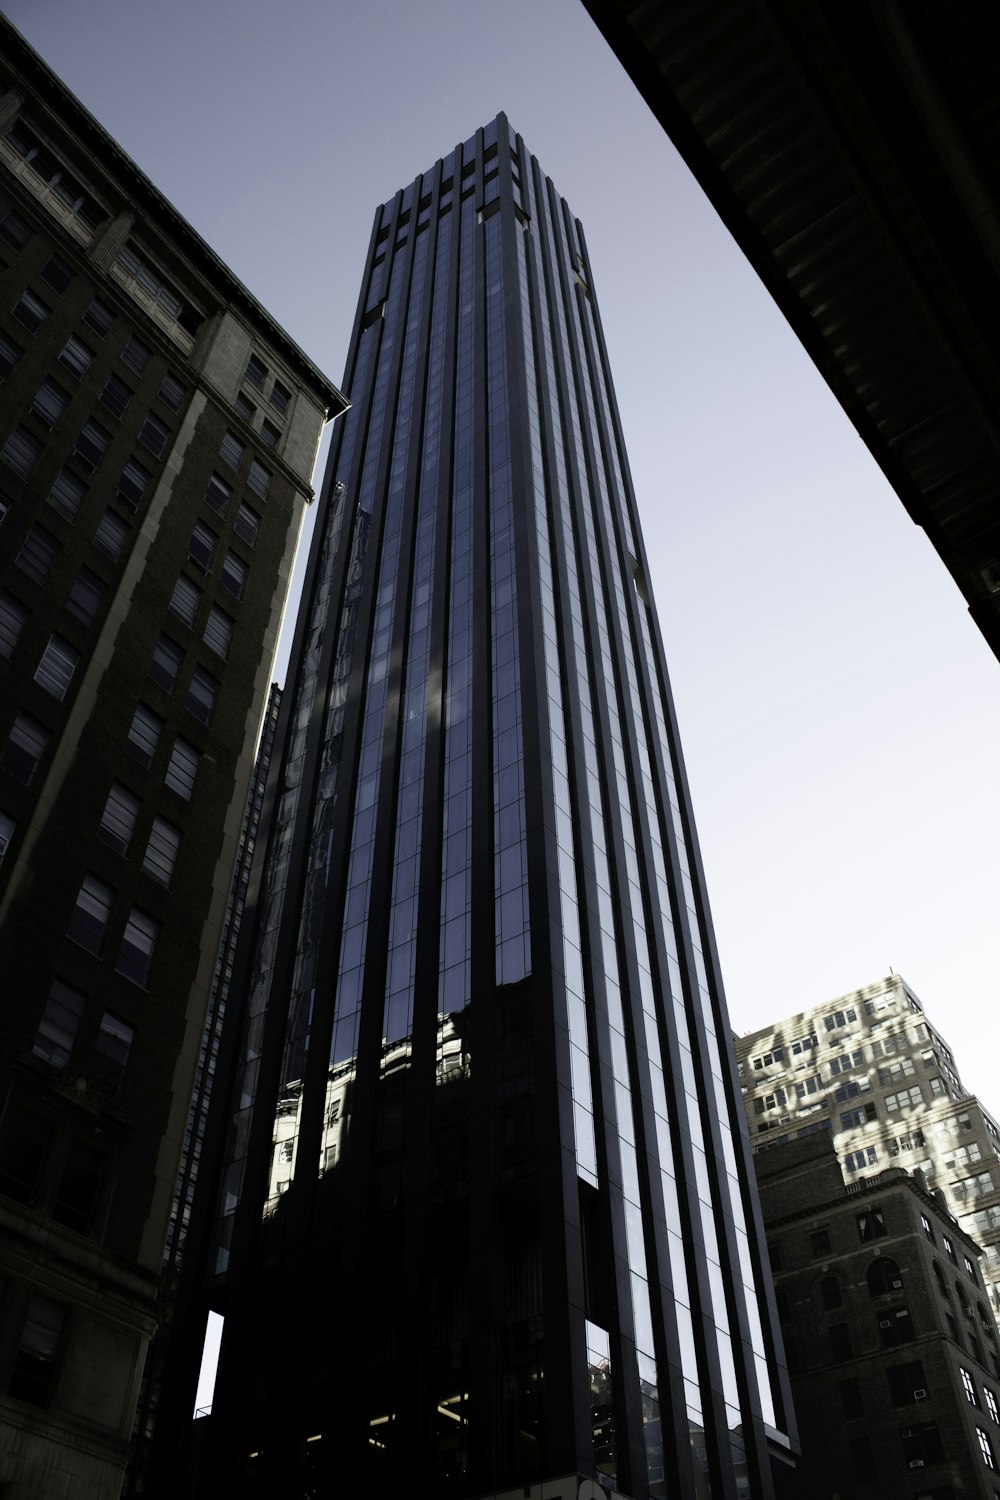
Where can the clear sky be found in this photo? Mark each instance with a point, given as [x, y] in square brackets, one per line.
[840, 713]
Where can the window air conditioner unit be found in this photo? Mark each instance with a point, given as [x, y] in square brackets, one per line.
[920, 1395]
[917, 1463]
[884, 1322]
[896, 1284]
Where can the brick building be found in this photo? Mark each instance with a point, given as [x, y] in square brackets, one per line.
[158, 432]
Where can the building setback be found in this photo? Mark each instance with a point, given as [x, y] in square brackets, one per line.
[870, 1069]
[157, 436]
[891, 1345]
[487, 1217]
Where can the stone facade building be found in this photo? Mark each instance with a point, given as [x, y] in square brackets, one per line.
[158, 432]
[891, 1345]
[872, 1071]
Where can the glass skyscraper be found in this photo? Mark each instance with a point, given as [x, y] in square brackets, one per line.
[487, 1217]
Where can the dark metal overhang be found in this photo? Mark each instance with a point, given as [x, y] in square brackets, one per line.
[852, 151]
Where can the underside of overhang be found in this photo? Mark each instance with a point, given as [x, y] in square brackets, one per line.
[852, 152]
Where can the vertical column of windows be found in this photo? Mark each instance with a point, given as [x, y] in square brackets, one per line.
[318, 870]
[512, 937]
[606, 955]
[576, 999]
[601, 517]
[277, 870]
[354, 938]
[592, 550]
[401, 965]
[622, 1087]
[727, 1191]
[456, 831]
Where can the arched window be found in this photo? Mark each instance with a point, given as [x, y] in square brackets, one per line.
[942, 1285]
[884, 1277]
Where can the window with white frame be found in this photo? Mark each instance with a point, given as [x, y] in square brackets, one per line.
[972, 1187]
[905, 1099]
[897, 1071]
[986, 1449]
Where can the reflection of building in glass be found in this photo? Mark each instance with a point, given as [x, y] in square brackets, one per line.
[487, 1217]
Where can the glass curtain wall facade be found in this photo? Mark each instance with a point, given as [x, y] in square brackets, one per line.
[486, 1160]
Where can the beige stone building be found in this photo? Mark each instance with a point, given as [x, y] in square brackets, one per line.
[872, 1071]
